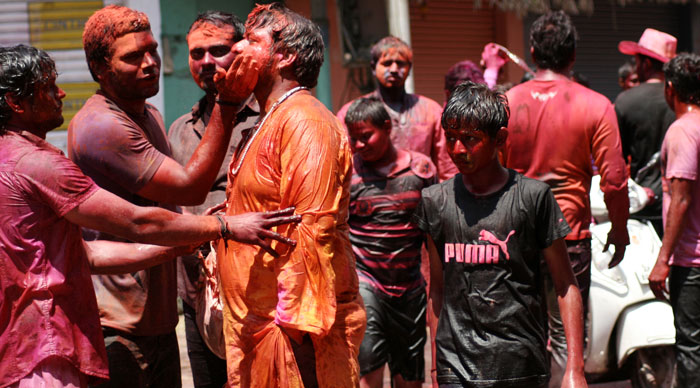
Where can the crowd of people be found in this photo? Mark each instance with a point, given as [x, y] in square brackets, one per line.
[331, 240]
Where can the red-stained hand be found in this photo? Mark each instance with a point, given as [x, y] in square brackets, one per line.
[657, 278]
[492, 56]
[254, 228]
[620, 239]
[236, 84]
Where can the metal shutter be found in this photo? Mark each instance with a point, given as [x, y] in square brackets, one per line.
[444, 32]
[597, 56]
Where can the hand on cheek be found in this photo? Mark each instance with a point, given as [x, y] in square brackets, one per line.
[238, 82]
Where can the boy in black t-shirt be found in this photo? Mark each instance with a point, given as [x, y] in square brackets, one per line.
[488, 228]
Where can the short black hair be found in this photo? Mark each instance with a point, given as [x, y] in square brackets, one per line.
[476, 106]
[626, 69]
[553, 40]
[294, 34]
[683, 71]
[220, 19]
[22, 69]
[370, 110]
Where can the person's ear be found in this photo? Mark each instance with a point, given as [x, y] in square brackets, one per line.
[387, 126]
[14, 102]
[286, 60]
[501, 137]
[670, 94]
[100, 69]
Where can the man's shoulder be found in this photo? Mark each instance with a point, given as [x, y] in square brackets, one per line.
[643, 93]
[180, 124]
[530, 184]
[344, 109]
[421, 165]
[426, 101]
[97, 114]
[688, 126]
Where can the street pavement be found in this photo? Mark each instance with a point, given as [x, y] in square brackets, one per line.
[187, 372]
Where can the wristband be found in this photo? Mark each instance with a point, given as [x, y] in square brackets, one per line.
[223, 230]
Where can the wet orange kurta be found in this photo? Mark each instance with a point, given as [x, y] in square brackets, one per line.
[299, 158]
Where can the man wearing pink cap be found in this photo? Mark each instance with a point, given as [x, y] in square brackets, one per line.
[643, 116]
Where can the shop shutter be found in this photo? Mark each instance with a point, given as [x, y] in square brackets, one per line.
[444, 32]
[597, 57]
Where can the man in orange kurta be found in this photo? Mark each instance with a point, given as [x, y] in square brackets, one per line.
[282, 313]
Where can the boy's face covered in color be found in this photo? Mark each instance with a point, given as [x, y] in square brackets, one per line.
[471, 149]
[368, 141]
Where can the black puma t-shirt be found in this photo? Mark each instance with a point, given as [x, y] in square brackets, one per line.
[491, 331]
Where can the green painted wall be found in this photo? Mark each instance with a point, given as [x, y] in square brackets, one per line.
[180, 91]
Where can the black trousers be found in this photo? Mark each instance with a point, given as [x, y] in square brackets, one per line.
[684, 284]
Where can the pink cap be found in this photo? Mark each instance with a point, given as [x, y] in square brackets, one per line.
[653, 43]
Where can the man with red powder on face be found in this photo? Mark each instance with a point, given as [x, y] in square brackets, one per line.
[299, 318]
[557, 127]
[415, 119]
[209, 40]
[119, 141]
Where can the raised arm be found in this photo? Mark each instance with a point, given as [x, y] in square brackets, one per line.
[570, 305]
[190, 184]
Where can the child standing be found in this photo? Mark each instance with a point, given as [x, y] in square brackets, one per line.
[386, 187]
[488, 228]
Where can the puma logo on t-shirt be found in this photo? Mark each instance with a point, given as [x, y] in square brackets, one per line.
[479, 253]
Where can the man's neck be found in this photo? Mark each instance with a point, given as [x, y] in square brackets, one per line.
[130, 106]
[14, 125]
[682, 108]
[654, 79]
[550, 75]
[268, 95]
[486, 181]
[393, 97]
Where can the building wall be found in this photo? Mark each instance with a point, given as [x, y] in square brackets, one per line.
[597, 56]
